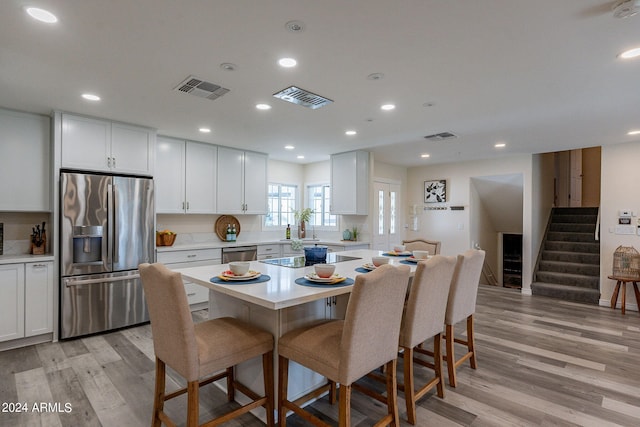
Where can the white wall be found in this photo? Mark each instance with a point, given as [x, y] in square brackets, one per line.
[620, 175]
[452, 228]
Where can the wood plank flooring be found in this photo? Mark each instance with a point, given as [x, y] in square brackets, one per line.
[541, 362]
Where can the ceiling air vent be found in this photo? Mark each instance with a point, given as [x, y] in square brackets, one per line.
[198, 87]
[441, 136]
[302, 97]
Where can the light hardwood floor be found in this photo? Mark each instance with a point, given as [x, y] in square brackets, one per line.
[541, 362]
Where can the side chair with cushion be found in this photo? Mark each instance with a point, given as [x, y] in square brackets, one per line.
[433, 246]
[200, 350]
[461, 306]
[346, 350]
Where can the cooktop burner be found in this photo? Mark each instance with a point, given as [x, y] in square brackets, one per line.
[300, 261]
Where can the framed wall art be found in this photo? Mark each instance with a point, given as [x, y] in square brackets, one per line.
[435, 191]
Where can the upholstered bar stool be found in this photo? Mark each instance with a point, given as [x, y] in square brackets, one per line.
[423, 318]
[432, 246]
[461, 305]
[346, 350]
[197, 351]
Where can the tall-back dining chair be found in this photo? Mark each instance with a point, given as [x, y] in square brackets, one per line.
[423, 319]
[346, 350]
[433, 246]
[460, 306]
[196, 351]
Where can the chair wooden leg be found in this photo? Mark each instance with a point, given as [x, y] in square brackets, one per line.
[409, 386]
[471, 342]
[267, 373]
[344, 418]
[437, 362]
[450, 356]
[392, 391]
[231, 390]
[333, 392]
[193, 390]
[158, 400]
[283, 379]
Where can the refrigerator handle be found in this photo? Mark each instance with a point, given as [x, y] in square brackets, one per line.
[79, 282]
[110, 225]
[113, 217]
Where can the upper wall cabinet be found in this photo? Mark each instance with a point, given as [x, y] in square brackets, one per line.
[242, 182]
[101, 145]
[185, 178]
[24, 162]
[350, 183]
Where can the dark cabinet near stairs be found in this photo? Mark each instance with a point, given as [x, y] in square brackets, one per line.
[512, 260]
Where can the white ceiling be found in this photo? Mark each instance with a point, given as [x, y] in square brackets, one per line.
[538, 75]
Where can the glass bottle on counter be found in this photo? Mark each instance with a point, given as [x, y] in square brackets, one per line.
[288, 232]
[234, 233]
[229, 233]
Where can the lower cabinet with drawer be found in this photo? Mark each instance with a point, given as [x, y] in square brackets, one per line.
[269, 251]
[198, 296]
[26, 300]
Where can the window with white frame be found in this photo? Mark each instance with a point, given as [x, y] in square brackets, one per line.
[282, 202]
[318, 199]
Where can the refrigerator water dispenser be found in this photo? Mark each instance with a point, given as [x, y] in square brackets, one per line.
[87, 244]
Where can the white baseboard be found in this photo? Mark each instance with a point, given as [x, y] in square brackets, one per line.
[628, 307]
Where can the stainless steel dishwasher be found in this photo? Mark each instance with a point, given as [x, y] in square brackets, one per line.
[239, 253]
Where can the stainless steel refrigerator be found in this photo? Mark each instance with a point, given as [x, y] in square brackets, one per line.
[106, 230]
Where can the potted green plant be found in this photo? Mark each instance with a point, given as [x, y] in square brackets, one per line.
[302, 217]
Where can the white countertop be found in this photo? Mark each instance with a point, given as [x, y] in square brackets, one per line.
[282, 291]
[221, 244]
[16, 259]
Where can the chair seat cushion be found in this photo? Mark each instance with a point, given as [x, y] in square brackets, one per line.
[226, 341]
[316, 347]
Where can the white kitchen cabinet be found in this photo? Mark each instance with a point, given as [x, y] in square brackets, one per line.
[350, 183]
[38, 298]
[101, 145]
[26, 299]
[241, 182]
[185, 179]
[268, 251]
[11, 301]
[196, 294]
[24, 162]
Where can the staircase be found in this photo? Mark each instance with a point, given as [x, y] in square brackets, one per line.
[569, 264]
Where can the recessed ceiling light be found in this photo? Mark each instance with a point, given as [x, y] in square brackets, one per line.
[300, 157]
[425, 156]
[631, 53]
[634, 132]
[375, 76]
[500, 145]
[295, 26]
[263, 106]
[387, 107]
[289, 147]
[228, 66]
[287, 62]
[350, 132]
[90, 97]
[42, 15]
[204, 130]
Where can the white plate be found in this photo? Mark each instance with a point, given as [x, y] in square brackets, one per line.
[394, 253]
[248, 276]
[416, 260]
[369, 266]
[313, 277]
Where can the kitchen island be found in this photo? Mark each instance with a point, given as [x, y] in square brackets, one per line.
[280, 305]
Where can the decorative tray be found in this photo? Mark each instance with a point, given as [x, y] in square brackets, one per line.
[221, 226]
